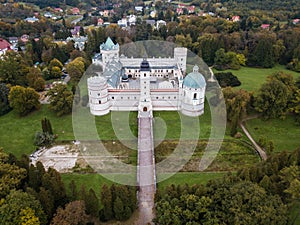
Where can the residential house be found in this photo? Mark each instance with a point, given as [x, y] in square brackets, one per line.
[24, 38]
[100, 22]
[296, 21]
[138, 8]
[151, 22]
[179, 11]
[48, 15]
[131, 19]
[79, 42]
[75, 11]
[265, 26]
[122, 22]
[13, 40]
[76, 31]
[153, 14]
[31, 19]
[235, 18]
[4, 46]
[160, 23]
[191, 9]
[58, 10]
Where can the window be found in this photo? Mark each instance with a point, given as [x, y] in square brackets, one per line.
[112, 97]
[99, 102]
[98, 94]
[144, 75]
[174, 97]
[121, 97]
[145, 87]
[128, 97]
[144, 82]
[156, 97]
[195, 95]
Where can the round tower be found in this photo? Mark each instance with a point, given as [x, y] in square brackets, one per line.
[98, 96]
[193, 93]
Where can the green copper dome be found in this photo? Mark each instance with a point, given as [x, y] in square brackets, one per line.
[109, 45]
[194, 79]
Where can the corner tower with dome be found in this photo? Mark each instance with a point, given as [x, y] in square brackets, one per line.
[141, 84]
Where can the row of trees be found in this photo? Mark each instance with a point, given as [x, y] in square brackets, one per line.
[31, 195]
[258, 195]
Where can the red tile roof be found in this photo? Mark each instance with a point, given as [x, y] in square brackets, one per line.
[4, 44]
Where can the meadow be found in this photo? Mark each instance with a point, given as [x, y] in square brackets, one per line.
[252, 78]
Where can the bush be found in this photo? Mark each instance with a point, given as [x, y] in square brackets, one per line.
[226, 79]
[43, 139]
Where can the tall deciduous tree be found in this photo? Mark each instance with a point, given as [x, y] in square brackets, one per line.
[13, 69]
[61, 99]
[74, 213]
[76, 69]
[35, 80]
[12, 211]
[272, 99]
[295, 106]
[11, 175]
[236, 106]
[264, 53]
[23, 100]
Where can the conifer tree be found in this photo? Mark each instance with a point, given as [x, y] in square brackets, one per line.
[106, 200]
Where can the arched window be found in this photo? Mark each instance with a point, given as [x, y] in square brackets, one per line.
[195, 95]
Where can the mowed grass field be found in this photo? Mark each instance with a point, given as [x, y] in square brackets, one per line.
[17, 133]
[284, 133]
[253, 78]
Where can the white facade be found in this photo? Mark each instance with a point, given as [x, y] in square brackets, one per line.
[137, 84]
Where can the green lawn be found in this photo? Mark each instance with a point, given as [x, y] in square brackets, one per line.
[253, 78]
[284, 133]
[295, 213]
[95, 181]
[17, 133]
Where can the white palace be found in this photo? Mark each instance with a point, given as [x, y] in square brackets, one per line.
[140, 84]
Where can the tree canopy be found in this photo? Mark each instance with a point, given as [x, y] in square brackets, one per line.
[23, 100]
[61, 99]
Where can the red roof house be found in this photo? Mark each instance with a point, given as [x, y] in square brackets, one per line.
[4, 46]
[75, 11]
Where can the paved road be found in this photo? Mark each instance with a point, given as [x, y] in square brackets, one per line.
[146, 171]
[77, 20]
